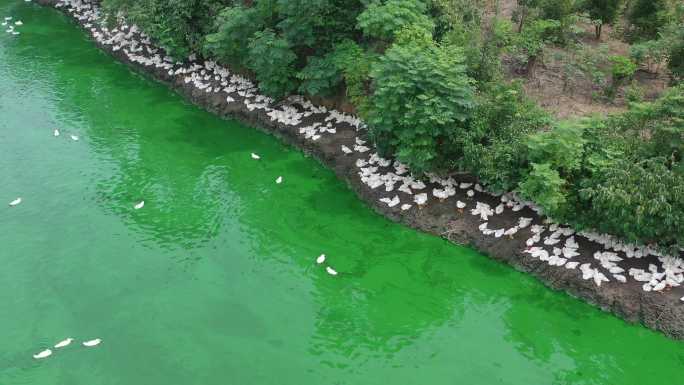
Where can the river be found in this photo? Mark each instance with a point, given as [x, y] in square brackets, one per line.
[214, 281]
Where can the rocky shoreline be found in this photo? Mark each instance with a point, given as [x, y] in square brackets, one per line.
[464, 212]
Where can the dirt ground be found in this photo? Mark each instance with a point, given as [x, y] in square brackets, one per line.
[575, 96]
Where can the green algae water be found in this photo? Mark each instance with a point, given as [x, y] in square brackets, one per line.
[214, 281]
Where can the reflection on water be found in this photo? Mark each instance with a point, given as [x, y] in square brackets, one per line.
[214, 281]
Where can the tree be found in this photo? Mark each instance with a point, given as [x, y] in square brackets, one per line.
[382, 21]
[523, 11]
[272, 60]
[602, 12]
[422, 97]
[647, 16]
[235, 26]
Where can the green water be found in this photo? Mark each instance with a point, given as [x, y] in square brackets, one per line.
[214, 280]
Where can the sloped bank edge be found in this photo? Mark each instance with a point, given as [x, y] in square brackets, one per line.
[627, 301]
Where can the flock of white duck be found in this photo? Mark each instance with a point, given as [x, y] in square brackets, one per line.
[552, 243]
[63, 344]
[10, 25]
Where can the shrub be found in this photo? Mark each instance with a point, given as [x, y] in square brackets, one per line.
[382, 21]
[421, 100]
[235, 26]
[621, 69]
[544, 186]
[641, 201]
[494, 146]
[271, 59]
[529, 45]
[321, 76]
[602, 12]
[646, 17]
[673, 37]
[317, 24]
[650, 53]
[561, 148]
[355, 64]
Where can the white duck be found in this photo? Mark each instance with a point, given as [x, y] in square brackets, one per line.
[420, 199]
[91, 343]
[74, 138]
[56, 132]
[15, 202]
[139, 205]
[255, 156]
[18, 22]
[330, 270]
[63, 343]
[320, 259]
[45, 353]
[346, 150]
[279, 180]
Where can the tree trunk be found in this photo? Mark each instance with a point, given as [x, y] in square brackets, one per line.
[598, 28]
[522, 19]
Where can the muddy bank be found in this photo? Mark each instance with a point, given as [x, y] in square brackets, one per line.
[661, 311]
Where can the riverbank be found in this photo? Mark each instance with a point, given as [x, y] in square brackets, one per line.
[337, 141]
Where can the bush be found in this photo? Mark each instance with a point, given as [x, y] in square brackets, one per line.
[561, 148]
[673, 38]
[321, 76]
[641, 201]
[355, 64]
[382, 21]
[621, 69]
[494, 146]
[529, 45]
[602, 12]
[650, 53]
[422, 98]
[545, 187]
[271, 59]
[646, 17]
[317, 24]
[235, 26]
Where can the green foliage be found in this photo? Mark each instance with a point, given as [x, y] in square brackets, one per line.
[602, 12]
[634, 93]
[421, 98]
[382, 21]
[530, 43]
[658, 127]
[235, 26]
[494, 146]
[545, 187]
[642, 201]
[556, 9]
[676, 56]
[178, 25]
[317, 24]
[321, 76]
[561, 148]
[355, 64]
[647, 16]
[622, 67]
[271, 59]
[672, 41]
[650, 53]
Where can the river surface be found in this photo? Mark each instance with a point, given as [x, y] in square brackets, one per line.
[214, 281]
